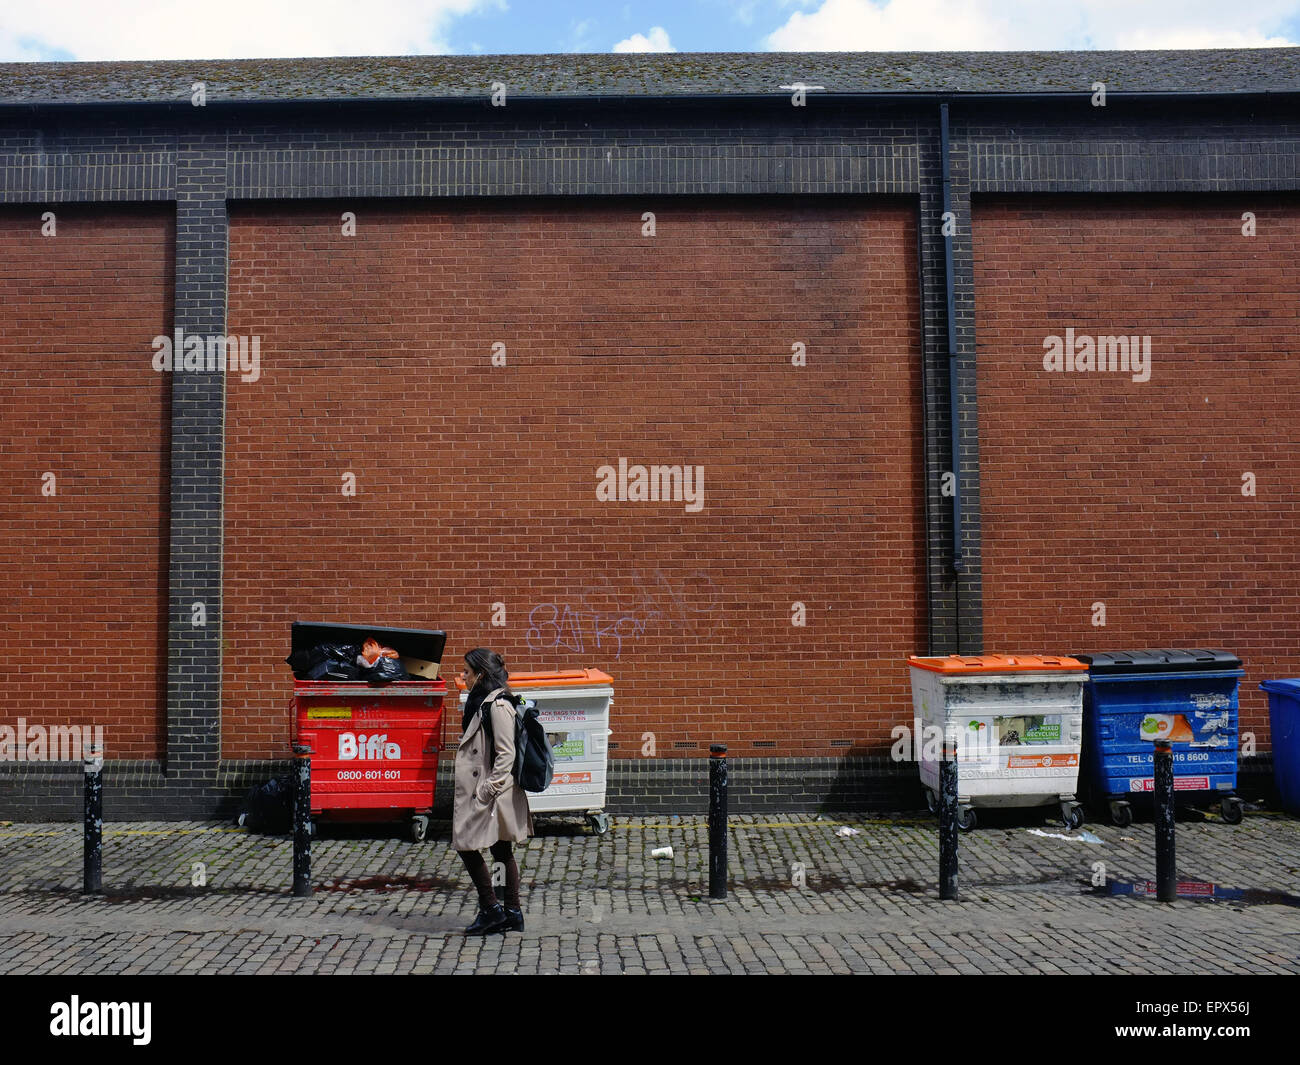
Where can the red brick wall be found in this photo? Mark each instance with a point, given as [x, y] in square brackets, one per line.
[83, 572]
[478, 484]
[1100, 489]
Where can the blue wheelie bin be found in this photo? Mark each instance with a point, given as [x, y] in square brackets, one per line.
[1284, 727]
[1185, 696]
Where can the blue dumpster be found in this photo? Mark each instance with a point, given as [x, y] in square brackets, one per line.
[1284, 726]
[1185, 696]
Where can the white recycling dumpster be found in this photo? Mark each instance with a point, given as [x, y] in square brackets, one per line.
[1018, 724]
[573, 706]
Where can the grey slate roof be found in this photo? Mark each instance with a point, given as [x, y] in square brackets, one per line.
[645, 76]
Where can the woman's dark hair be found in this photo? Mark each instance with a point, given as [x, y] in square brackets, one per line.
[490, 667]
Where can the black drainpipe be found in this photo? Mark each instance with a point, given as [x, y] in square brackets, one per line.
[958, 564]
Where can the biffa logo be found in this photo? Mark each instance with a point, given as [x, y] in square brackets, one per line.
[367, 749]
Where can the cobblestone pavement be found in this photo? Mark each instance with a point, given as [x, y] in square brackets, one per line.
[865, 903]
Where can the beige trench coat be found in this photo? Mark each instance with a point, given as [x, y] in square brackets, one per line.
[488, 805]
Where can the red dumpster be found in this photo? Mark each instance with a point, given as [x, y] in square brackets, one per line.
[374, 747]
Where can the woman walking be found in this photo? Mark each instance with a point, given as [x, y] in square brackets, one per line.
[490, 809]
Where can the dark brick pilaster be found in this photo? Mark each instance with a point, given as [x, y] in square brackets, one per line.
[956, 608]
[198, 425]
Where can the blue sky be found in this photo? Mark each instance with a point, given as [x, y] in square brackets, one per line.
[167, 29]
[595, 26]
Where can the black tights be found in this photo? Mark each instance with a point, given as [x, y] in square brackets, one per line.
[503, 852]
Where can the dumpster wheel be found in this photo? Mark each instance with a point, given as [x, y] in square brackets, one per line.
[966, 818]
[600, 822]
[1231, 809]
[419, 828]
[1072, 814]
[931, 801]
[1121, 814]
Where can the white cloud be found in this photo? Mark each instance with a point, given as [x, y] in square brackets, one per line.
[579, 36]
[1000, 25]
[232, 29]
[638, 42]
[1173, 37]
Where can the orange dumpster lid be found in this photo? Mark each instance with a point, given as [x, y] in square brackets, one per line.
[996, 663]
[559, 678]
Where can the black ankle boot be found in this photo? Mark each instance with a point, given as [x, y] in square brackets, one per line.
[514, 921]
[488, 921]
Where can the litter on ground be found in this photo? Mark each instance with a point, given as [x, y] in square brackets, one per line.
[1079, 837]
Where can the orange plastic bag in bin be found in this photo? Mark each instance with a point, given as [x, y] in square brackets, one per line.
[372, 652]
[379, 663]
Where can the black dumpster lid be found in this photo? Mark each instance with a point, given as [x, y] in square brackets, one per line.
[1160, 660]
[426, 644]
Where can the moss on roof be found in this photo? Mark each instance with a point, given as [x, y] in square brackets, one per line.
[652, 75]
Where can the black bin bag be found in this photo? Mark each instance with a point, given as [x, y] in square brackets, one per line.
[325, 650]
[327, 661]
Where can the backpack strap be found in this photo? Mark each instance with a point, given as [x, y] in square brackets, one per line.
[485, 713]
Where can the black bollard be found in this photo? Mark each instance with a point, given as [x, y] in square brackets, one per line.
[948, 821]
[1166, 873]
[718, 821]
[93, 837]
[302, 822]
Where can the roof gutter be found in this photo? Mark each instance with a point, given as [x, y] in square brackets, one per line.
[599, 100]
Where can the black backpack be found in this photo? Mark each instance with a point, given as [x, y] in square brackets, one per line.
[534, 761]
